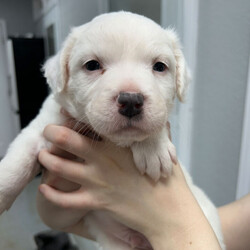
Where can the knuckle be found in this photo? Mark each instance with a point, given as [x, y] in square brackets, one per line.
[62, 137]
[89, 202]
[56, 166]
[64, 204]
[84, 204]
[100, 204]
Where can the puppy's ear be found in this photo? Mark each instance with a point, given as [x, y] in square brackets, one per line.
[183, 75]
[56, 69]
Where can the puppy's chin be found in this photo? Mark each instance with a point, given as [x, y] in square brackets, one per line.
[124, 132]
[125, 137]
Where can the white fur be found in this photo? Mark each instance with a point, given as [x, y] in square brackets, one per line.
[127, 46]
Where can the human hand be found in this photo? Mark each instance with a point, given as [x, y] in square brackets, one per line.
[56, 217]
[110, 181]
[98, 157]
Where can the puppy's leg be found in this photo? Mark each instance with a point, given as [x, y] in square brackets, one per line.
[19, 166]
[155, 155]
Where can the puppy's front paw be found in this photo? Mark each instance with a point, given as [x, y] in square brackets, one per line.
[154, 159]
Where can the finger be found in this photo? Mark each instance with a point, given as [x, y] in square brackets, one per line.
[69, 140]
[70, 200]
[60, 152]
[67, 169]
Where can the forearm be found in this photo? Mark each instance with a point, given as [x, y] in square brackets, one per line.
[235, 220]
[200, 236]
[188, 228]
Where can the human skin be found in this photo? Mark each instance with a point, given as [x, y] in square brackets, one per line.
[107, 179]
[235, 221]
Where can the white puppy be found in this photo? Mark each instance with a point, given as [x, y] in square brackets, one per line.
[120, 74]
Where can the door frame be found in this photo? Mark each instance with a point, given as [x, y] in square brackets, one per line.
[243, 184]
[184, 16]
[190, 12]
[8, 123]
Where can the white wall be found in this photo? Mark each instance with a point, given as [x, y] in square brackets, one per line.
[148, 8]
[7, 129]
[67, 14]
[18, 16]
[76, 12]
[221, 77]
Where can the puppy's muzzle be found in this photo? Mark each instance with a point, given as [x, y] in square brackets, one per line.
[130, 104]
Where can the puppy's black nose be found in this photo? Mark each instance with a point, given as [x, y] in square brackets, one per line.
[130, 104]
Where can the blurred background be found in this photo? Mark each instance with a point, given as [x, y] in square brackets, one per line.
[211, 130]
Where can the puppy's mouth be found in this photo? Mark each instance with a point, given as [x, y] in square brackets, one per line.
[130, 127]
[132, 122]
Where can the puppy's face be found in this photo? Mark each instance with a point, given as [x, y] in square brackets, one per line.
[120, 74]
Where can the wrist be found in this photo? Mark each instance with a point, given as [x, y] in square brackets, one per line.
[183, 226]
[198, 236]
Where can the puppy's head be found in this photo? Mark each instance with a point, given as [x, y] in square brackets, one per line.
[120, 74]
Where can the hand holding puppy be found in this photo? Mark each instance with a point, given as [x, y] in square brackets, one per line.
[108, 180]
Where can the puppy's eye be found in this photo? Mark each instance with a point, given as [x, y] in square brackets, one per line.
[160, 67]
[93, 65]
